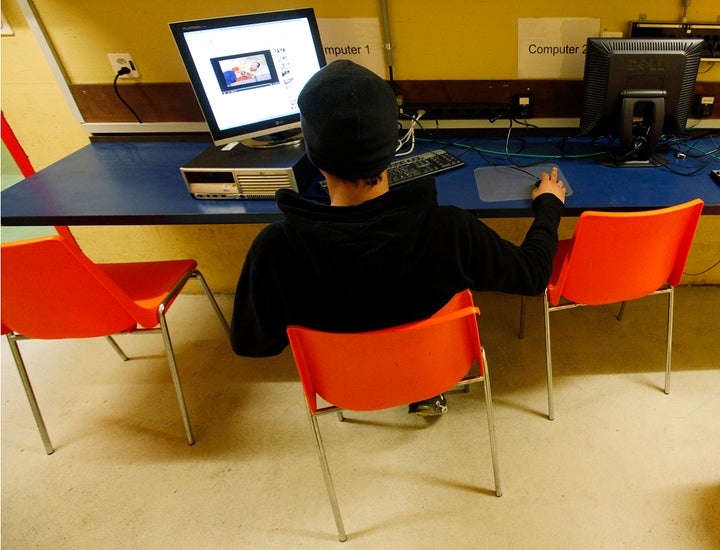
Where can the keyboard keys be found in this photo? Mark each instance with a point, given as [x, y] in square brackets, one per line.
[424, 164]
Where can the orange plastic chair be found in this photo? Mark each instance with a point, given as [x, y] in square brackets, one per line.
[51, 290]
[391, 367]
[618, 257]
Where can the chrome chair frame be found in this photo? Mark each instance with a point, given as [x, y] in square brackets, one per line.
[547, 309]
[13, 339]
[320, 447]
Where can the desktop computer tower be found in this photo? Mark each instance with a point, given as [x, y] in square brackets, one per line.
[245, 173]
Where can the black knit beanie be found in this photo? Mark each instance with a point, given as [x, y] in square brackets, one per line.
[349, 119]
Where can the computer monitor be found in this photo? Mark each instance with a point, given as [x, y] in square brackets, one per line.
[636, 89]
[247, 71]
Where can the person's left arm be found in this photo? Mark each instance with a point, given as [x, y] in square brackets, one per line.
[258, 326]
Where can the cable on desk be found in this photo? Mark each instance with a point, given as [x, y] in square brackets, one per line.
[122, 71]
[684, 148]
[690, 147]
[504, 154]
[409, 135]
[507, 154]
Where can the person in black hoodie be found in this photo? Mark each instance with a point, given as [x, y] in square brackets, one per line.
[374, 257]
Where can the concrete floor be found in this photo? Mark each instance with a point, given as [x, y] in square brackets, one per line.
[622, 466]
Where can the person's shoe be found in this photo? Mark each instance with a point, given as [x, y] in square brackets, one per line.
[435, 406]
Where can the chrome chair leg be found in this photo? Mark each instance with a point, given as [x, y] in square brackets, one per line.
[521, 329]
[491, 426]
[197, 275]
[621, 312]
[548, 359]
[329, 485]
[175, 375]
[194, 274]
[29, 391]
[117, 348]
[668, 345]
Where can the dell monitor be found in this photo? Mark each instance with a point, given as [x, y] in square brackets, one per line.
[637, 89]
[247, 72]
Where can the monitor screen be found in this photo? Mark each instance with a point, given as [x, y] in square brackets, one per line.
[247, 71]
[635, 90]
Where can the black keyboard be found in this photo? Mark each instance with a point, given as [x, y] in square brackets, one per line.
[424, 164]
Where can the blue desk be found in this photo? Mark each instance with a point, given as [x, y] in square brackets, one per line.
[140, 184]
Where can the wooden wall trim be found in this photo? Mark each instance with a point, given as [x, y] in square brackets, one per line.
[176, 102]
[153, 102]
[552, 99]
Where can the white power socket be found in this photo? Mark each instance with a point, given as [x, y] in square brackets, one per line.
[120, 60]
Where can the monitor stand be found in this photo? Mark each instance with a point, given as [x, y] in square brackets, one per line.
[638, 150]
[286, 138]
[616, 160]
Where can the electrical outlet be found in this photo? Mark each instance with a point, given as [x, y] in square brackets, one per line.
[704, 106]
[522, 106]
[123, 60]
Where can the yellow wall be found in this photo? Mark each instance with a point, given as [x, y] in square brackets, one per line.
[453, 39]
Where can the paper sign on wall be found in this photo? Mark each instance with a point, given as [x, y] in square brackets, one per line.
[357, 38]
[554, 47]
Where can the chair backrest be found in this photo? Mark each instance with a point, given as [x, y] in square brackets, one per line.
[389, 367]
[50, 290]
[616, 256]
[26, 168]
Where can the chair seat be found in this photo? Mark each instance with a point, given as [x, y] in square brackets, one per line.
[147, 283]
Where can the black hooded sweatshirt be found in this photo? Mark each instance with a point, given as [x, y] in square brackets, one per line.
[391, 260]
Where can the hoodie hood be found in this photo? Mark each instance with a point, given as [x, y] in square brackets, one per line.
[356, 244]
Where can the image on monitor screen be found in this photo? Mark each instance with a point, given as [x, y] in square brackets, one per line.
[636, 90]
[244, 70]
[247, 71]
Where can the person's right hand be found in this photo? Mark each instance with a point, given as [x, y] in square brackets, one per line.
[550, 184]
